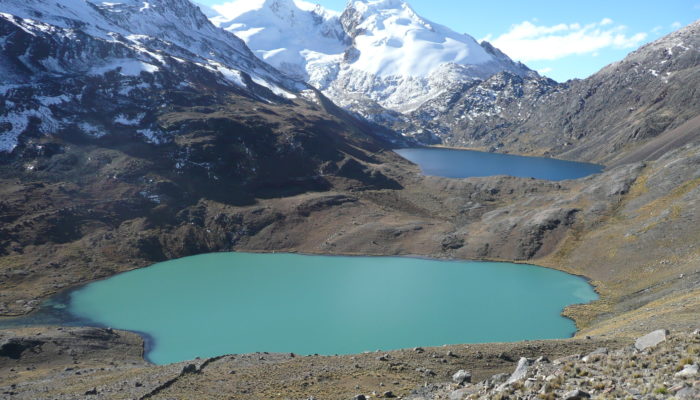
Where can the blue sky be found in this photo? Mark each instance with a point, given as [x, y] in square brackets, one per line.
[561, 39]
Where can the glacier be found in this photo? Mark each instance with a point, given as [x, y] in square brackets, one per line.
[376, 54]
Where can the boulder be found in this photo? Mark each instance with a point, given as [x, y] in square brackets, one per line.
[576, 395]
[189, 369]
[517, 375]
[595, 355]
[520, 370]
[461, 377]
[651, 339]
[688, 371]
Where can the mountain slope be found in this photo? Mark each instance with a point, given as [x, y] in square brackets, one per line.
[99, 71]
[626, 104]
[377, 53]
[124, 117]
[59, 59]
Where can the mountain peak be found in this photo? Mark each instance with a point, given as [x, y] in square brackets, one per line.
[381, 49]
[395, 41]
[284, 9]
[373, 5]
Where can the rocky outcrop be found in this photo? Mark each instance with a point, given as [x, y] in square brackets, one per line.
[622, 373]
[650, 340]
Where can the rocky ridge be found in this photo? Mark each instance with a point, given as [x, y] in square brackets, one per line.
[90, 71]
[623, 106]
[486, 102]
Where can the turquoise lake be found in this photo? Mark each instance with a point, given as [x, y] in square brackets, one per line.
[223, 303]
[454, 163]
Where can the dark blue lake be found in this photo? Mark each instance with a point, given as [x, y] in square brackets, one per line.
[454, 163]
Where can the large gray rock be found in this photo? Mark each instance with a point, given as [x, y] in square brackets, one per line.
[520, 370]
[688, 371]
[519, 373]
[461, 377]
[651, 339]
[595, 355]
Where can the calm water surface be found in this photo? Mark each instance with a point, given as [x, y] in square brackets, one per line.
[453, 163]
[224, 303]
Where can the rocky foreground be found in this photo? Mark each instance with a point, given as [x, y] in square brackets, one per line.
[95, 363]
[657, 366]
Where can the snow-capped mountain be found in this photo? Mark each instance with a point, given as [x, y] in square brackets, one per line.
[650, 97]
[115, 93]
[299, 38]
[376, 53]
[53, 51]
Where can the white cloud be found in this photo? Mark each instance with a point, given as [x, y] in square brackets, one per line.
[529, 42]
[676, 25]
[545, 71]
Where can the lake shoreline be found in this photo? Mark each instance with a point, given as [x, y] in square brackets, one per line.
[437, 257]
[437, 270]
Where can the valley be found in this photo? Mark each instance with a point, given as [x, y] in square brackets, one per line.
[133, 135]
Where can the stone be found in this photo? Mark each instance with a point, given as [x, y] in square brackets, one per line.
[189, 369]
[677, 388]
[504, 357]
[388, 394]
[600, 351]
[91, 392]
[418, 349]
[519, 373]
[688, 393]
[498, 379]
[595, 355]
[688, 371]
[546, 388]
[385, 357]
[359, 397]
[651, 339]
[520, 370]
[461, 394]
[461, 377]
[576, 395]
